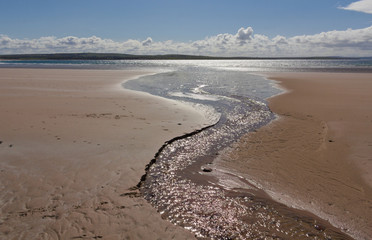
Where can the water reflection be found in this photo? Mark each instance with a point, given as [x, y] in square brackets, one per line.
[179, 183]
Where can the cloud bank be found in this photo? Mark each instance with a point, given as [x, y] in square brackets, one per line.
[360, 6]
[244, 42]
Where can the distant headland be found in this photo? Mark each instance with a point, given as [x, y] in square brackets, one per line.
[118, 56]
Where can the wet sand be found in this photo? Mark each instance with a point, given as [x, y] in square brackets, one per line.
[317, 156]
[72, 143]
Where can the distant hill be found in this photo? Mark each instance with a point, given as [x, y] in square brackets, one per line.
[118, 56]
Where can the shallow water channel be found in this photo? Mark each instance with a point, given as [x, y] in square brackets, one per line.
[179, 181]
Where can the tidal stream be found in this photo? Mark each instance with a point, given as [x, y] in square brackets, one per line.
[180, 183]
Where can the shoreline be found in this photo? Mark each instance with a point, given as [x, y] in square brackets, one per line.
[100, 136]
[72, 143]
[315, 156]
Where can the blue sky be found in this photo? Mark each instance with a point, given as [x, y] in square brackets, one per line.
[187, 26]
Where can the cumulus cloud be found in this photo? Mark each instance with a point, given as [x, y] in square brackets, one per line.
[147, 42]
[280, 40]
[244, 34]
[350, 42]
[360, 6]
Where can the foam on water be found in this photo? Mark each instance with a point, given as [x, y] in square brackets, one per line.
[194, 96]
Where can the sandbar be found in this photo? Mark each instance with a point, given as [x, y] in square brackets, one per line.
[317, 155]
[73, 142]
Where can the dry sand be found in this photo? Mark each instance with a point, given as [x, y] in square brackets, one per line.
[317, 155]
[72, 143]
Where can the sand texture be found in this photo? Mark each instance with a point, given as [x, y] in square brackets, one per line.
[72, 143]
[317, 155]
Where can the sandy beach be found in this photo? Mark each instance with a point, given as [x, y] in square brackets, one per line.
[73, 142]
[317, 155]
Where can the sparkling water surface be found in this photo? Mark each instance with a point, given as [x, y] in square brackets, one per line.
[279, 65]
[181, 182]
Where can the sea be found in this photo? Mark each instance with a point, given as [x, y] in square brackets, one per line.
[180, 181]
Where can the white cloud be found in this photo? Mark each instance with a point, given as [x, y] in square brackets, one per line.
[244, 34]
[147, 42]
[360, 6]
[244, 42]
